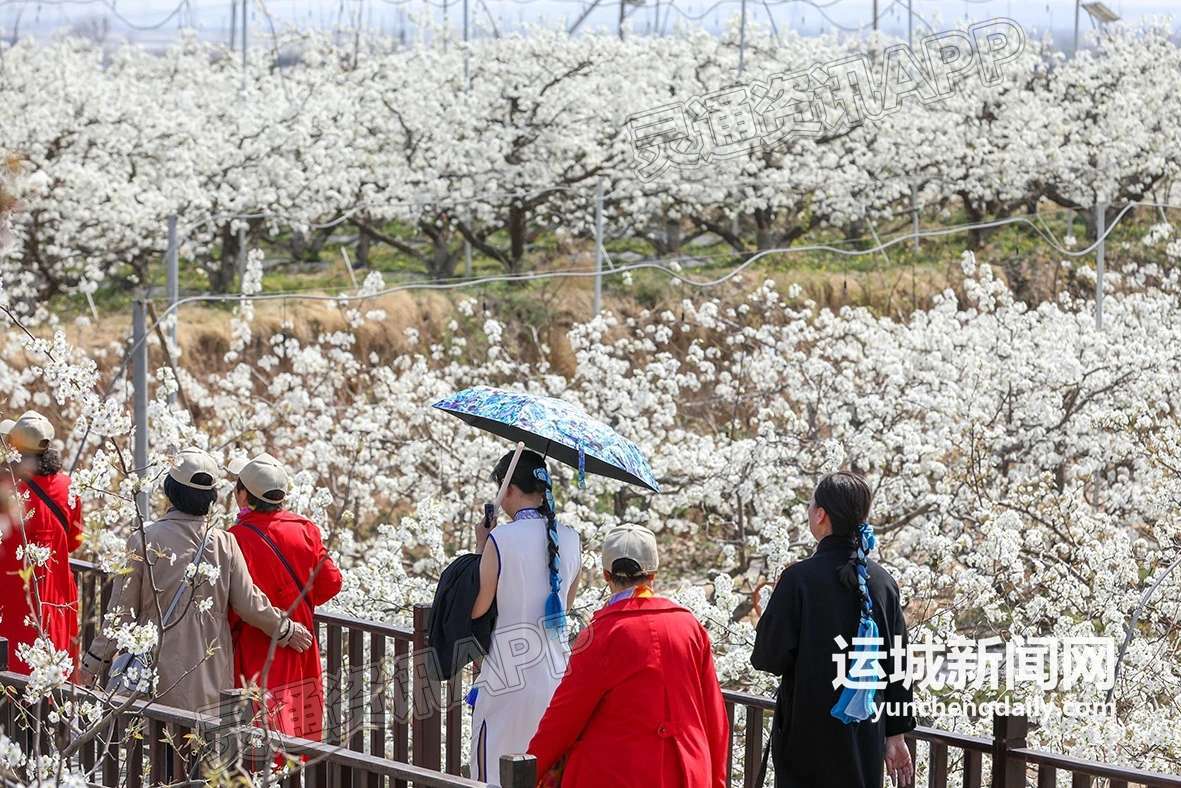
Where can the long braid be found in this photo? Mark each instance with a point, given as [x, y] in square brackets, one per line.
[555, 616]
[846, 498]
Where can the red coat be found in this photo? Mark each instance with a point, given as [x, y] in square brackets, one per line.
[640, 705]
[55, 582]
[295, 695]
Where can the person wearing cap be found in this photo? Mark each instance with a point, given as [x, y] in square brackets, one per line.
[640, 704]
[194, 658]
[51, 521]
[289, 563]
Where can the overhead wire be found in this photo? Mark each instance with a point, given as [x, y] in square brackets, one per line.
[663, 266]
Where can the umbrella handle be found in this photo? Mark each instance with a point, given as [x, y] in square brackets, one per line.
[508, 475]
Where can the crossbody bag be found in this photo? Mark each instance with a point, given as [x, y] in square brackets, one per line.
[137, 665]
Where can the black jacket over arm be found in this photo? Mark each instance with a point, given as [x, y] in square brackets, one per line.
[455, 638]
[795, 640]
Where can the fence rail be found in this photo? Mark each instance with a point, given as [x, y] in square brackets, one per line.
[412, 719]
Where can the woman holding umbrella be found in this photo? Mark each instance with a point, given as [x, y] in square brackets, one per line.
[529, 568]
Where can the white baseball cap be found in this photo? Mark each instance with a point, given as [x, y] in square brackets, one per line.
[631, 541]
[191, 463]
[31, 433]
[265, 478]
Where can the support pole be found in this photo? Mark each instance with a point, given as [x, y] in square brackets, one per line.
[467, 258]
[875, 14]
[914, 214]
[173, 262]
[1100, 231]
[241, 251]
[599, 246]
[139, 378]
[245, 24]
[467, 74]
[622, 14]
[1077, 3]
[467, 84]
[910, 23]
[742, 40]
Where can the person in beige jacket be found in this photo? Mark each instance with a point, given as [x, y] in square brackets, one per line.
[194, 660]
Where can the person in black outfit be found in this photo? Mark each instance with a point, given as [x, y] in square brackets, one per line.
[814, 602]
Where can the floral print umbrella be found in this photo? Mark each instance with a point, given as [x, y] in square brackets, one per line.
[553, 428]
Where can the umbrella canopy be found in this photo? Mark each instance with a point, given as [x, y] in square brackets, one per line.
[553, 428]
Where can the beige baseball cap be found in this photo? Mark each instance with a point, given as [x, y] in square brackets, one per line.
[193, 462]
[265, 478]
[236, 464]
[631, 541]
[31, 433]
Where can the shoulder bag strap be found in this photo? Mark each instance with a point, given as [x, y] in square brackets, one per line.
[39, 491]
[196, 562]
[299, 584]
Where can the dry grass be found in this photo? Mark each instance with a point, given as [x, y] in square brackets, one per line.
[538, 316]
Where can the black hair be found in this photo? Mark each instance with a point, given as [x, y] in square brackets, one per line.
[531, 476]
[190, 500]
[846, 498]
[627, 572]
[49, 462]
[259, 504]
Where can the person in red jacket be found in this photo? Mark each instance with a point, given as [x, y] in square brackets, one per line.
[288, 562]
[48, 602]
[640, 705]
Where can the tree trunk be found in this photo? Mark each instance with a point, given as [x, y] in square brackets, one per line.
[672, 236]
[223, 269]
[764, 237]
[516, 228]
[363, 242]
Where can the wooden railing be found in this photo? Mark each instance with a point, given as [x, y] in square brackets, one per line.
[1012, 764]
[413, 720]
[148, 743]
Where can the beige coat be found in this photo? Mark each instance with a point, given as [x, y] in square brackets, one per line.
[196, 653]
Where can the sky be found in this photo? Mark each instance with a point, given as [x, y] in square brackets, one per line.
[157, 22]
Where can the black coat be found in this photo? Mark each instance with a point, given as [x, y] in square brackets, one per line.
[808, 609]
[455, 638]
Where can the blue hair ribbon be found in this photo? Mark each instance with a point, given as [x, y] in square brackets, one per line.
[855, 703]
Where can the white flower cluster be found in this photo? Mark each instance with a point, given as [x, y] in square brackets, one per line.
[49, 669]
[1023, 461]
[135, 638]
[34, 554]
[122, 140]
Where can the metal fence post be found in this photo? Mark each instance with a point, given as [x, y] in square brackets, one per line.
[139, 377]
[1008, 733]
[598, 246]
[518, 771]
[1100, 231]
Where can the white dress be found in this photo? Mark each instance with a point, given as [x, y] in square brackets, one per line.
[525, 660]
